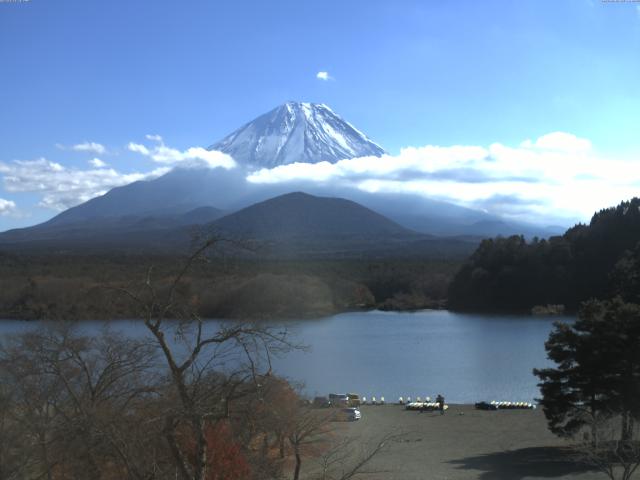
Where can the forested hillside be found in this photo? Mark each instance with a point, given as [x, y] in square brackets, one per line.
[87, 287]
[589, 261]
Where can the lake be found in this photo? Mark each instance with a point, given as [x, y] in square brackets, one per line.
[466, 357]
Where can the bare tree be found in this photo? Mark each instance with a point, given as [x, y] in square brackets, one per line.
[30, 410]
[240, 354]
[181, 402]
[307, 431]
[348, 457]
[14, 458]
[611, 445]
[80, 400]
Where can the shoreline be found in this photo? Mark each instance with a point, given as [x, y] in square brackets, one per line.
[304, 317]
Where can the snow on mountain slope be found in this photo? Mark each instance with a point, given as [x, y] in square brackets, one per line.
[296, 132]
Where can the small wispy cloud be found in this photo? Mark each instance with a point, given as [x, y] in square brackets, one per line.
[138, 148]
[96, 162]
[89, 147]
[322, 75]
[7, 207]
[193, 156]
[92, 147]
[559, 142]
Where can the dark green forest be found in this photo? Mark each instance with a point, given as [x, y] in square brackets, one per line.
[87, 286]
[594, 261]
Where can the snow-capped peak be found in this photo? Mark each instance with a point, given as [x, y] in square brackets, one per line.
[297, 132]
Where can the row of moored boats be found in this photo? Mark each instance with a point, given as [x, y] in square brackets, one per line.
[505, 405]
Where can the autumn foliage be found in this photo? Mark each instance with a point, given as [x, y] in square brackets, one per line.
[225, 458]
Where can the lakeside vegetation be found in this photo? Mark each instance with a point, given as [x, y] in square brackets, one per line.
[598, 260]
[85, 287]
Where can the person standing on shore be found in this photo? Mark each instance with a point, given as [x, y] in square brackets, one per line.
[440, 402]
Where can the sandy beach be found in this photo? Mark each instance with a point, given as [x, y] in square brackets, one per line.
[465, 443]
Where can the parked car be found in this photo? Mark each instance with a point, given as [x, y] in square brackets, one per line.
[350, 414]
[339, 399]
[321, 402]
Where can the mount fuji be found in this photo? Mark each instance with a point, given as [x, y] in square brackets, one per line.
[297, 132]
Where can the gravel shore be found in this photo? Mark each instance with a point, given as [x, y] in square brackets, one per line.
[465, 444]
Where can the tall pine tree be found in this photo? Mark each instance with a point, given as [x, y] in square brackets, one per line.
[597, 369]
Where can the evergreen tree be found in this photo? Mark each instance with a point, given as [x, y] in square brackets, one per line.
[598, 369]
[598, 260]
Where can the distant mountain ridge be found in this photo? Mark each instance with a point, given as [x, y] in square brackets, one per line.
[296, 132]
[299, 215]
[115, 228]
[299, 225]
[294, 225]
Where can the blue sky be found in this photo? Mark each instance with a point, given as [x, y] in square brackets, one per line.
[408, 73]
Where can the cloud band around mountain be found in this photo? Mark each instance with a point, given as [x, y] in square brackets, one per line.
[194, 156]
[557, 175]
[63, 187]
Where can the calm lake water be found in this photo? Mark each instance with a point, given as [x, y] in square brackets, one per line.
[466, 357]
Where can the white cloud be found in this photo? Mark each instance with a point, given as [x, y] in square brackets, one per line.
[63, 187]
[7, 207]
[194, 156]
[138, 148]
[96, 162]
[89, 147]
[322, 75]
[412, 159]
[559, 141]
[557, 175]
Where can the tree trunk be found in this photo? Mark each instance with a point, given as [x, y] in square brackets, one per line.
[281, 442]
[201, 458]
[45, 455]
[625, 434]
[296, 473]
[94, 471]
[594, 425]
[182, 465]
